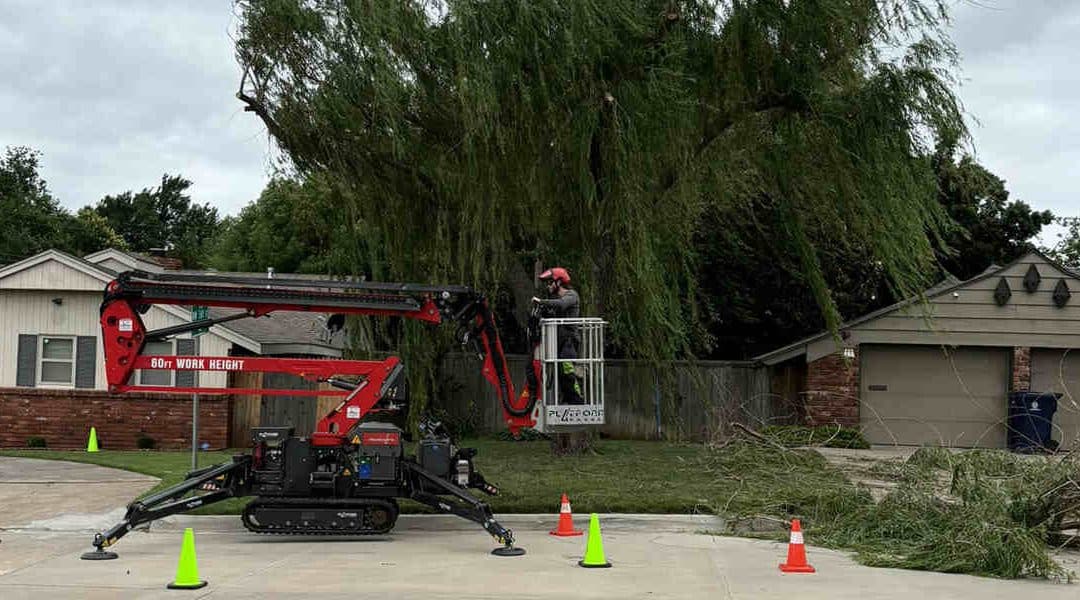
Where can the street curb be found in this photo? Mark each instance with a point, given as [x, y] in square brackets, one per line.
[525, 522]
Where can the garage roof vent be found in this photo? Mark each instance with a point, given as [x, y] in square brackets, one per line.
[1032, 279]
[1061, 293]
[1002, 292]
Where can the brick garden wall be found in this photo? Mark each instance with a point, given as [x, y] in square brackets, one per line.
[832, 391]
[64, 418]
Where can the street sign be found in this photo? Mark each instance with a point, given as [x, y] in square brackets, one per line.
[200, 313]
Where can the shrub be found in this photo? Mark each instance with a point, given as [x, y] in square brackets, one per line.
[145, 442]
[36, 442]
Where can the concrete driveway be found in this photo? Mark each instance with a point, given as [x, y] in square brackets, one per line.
[49, 511]
[437, 558]
[35, 493]
[48, 499]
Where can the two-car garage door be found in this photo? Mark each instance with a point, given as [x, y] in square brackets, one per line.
[925, 395]
[1059, 371]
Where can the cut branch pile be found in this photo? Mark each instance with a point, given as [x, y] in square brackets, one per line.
[985, 512]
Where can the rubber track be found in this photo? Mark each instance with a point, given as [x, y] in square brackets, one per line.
[320, 504]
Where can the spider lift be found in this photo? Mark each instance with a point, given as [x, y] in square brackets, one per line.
[345, 477]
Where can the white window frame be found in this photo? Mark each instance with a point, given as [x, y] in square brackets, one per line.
[41, 359]
[172, 374]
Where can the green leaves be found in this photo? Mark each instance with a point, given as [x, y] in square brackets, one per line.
[472, 138]
[162, 217]
[33, 220]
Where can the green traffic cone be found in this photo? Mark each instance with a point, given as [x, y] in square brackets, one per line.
[91, 446]
[594, 547]
[187, 572]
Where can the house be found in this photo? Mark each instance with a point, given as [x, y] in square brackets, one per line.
[939, 372]
[52, 374]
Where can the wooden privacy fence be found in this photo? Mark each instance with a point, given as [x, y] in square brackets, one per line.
[679, 400]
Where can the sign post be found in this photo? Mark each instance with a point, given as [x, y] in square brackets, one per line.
[194, 431]
[198, 313]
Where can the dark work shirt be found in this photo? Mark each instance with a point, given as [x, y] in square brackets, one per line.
[565, 307]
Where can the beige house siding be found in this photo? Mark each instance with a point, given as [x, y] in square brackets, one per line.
[34, 312]
[52, 275]
[969, 316]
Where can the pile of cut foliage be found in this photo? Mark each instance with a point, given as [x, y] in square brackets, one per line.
[830, 436]
[982, 512]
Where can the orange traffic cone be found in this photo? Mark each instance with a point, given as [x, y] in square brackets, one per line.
[566, 520]
[796, 553]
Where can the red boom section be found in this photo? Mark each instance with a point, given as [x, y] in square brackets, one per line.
[124, 335]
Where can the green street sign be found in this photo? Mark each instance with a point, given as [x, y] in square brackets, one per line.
[199, 313]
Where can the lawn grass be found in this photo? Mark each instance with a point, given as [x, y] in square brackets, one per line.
[623, 475]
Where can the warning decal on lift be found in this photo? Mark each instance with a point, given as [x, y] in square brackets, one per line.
[352, 412]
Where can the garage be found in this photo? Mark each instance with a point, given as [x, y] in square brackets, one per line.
[938, 369]
[927, 395]
[1059, 371]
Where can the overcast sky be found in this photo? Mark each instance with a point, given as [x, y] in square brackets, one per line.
[117, 93]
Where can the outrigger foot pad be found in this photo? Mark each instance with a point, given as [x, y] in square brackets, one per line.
[508, 551]
[99, 554]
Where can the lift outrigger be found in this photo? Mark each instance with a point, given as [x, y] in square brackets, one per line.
[345, 477]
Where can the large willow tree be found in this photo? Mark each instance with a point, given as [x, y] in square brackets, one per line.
[476, 136]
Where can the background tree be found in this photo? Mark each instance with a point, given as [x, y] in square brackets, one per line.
[1067, 250]
[473, 138]
[988, 227]
[163, 217]
[754, 295]
[295, 226]
[32, 220]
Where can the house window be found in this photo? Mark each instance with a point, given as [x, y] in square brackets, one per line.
[153, 376]
[57, 361]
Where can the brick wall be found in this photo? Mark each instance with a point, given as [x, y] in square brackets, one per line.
[832, 391]
[1021, 369]
[64, 418]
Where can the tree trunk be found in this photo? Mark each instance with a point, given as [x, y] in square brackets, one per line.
[572, 443]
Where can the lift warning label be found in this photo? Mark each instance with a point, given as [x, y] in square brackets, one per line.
[196, 364]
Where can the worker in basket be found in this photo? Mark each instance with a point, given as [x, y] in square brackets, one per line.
[563, 302]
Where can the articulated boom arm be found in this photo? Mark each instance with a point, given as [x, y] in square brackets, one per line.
[130, 295]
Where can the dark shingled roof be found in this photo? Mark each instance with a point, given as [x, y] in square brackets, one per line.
[284, 328]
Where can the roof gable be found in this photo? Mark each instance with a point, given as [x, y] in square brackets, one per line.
[976, 287]
[54, 270]
[127, 259]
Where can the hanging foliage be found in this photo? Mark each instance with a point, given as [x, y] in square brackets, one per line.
[475, 137]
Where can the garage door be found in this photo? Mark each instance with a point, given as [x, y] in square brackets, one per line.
[921, 395]
[1059, 371]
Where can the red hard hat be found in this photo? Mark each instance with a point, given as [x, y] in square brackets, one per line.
[558, 274]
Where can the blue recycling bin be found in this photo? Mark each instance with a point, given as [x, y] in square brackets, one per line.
[1031, 415]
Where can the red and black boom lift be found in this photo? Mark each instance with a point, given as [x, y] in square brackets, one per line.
[346, 477]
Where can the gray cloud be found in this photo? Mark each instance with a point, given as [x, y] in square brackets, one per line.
[1021, 85]
[117, 93]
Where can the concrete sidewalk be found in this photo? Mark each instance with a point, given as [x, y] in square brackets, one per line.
[655, 557]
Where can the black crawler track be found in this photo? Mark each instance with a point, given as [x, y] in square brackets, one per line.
[317, 516]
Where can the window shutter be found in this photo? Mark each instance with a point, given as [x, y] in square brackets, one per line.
[185, 347]
[26, 362]
[86, 362]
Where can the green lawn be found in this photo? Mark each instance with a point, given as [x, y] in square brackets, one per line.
[624, 476]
